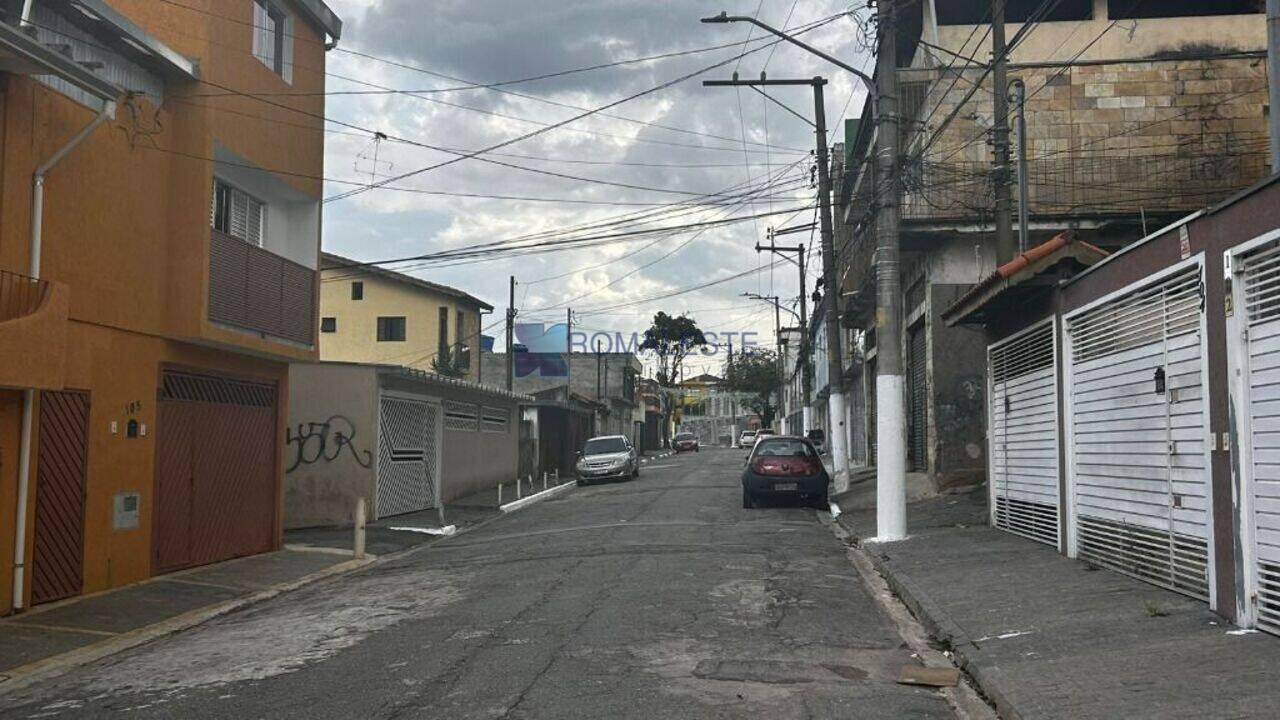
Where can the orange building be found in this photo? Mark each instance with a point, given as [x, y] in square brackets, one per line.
[160, 192]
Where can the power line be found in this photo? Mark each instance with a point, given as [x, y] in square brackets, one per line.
[561, 123]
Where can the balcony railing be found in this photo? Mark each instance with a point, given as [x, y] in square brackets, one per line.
[1079, 186]
[257, 290]
[20, 295]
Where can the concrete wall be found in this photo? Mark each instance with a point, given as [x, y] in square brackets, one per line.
[957, 389]
[323, 479]
[356, 339]
[473, 460]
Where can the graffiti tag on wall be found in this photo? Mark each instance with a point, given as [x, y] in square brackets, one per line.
[326, 441]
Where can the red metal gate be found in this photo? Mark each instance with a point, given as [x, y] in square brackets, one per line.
[58, 553]
[215, 470]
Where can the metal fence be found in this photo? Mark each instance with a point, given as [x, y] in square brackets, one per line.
[20, 295]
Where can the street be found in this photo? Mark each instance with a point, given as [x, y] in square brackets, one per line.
[657, 598]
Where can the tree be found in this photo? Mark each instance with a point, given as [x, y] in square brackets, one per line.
[448, 364]
[671, 339]
[755, 373]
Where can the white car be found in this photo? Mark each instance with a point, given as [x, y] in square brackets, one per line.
[747, 438]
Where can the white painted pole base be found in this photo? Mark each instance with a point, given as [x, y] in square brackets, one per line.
[807, 414]
[891, 458]
[837, 438]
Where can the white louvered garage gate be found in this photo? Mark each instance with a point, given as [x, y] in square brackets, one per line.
[408, 455]
[1256, 290]
[1023, 393]
[1137, 425]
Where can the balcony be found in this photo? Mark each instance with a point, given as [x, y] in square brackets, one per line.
[33, 331]
[258, 291]
[1083, 187]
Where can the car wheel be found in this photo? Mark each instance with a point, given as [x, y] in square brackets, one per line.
[748, 503]
[822, 503]
[582, 483]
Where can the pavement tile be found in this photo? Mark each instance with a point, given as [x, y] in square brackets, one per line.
[20, 645]
[1049, 637]
[263, 571]
[132, 607]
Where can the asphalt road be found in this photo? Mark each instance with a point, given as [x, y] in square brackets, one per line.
[656, 598]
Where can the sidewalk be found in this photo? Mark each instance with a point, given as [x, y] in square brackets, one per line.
[1044, 636]
[83, 628]
[51, 638]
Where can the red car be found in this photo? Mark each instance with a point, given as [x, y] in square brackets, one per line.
[685, 441]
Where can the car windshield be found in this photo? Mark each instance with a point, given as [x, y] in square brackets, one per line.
[601, 446]
[684, 436]
[784, 447]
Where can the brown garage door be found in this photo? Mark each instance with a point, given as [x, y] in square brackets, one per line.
[58, 555]
[215, 470]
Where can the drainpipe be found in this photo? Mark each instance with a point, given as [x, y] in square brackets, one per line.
[29, 395]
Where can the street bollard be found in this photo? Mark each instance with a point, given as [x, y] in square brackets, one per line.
[358, 521]
[499, 493]
[544, 481]
[519, 487]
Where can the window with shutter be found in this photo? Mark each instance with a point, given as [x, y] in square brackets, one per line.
[238, 214]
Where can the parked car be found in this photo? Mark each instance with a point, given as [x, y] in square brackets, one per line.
[747, 438]
[609, 457]
[818, 437]
[684, 442]
[784, 467]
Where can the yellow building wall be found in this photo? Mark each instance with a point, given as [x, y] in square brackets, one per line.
[357, 322]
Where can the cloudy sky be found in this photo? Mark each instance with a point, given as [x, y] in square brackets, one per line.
[649, 163]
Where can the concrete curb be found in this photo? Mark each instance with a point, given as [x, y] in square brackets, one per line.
[939, 624]
[536, 497]
[56, 665]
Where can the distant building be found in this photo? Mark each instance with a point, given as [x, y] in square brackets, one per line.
[370, 314]
[607, 379]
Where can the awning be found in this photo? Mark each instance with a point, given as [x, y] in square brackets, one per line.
[1031, 273]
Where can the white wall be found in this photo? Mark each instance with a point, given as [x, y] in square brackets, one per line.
[293, 219]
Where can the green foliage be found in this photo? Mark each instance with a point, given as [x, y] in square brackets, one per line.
[448, 364]
[671, 339]
[755, 372]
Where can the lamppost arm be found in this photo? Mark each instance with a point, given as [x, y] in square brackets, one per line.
[726, 18]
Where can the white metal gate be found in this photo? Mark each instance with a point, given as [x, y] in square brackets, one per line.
[1023, 394]
[408, 455]
[1138, 426]
[1256, 290]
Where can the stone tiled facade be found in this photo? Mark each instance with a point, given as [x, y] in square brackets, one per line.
[1103, 138]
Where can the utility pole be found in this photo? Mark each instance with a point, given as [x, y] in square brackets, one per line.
[1000, 136]
[839, 440]
[891, 401]
[568, 352]
[1273, 73]
[1020, 97]
[733, 402]
[806, 382]
[511, 329]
